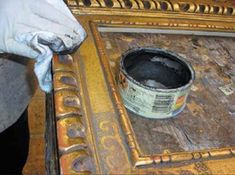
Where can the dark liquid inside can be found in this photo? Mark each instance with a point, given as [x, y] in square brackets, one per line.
[157, 69]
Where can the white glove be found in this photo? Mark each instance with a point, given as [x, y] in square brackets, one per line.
[36, 28]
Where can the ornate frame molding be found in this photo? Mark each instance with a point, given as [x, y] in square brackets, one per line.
[188, 15]
[220, 8]
[138, 158]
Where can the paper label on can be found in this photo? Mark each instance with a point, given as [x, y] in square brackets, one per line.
[163, 103]
[149, 103]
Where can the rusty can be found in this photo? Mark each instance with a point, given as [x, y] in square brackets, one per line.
[154, 83]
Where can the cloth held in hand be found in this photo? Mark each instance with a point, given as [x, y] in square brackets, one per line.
[36, 29]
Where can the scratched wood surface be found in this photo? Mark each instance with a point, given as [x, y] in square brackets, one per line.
[208, 121]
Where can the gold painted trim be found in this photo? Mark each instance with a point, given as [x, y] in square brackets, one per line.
[185, 15]
[73, 150]
[188, 6]
[138, 158]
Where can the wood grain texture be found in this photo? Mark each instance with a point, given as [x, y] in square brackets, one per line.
[35, 164]
[208, 120]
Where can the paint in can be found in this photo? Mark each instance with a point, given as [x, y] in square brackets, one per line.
[154, 83]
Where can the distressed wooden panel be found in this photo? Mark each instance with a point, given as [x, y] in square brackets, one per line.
[208, 120]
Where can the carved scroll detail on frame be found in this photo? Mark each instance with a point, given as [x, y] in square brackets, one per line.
[208, 7]
[125, 122]
[112, 143]
[138, 158]
[73, 150]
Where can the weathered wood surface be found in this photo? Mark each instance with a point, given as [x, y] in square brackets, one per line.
[208, 121]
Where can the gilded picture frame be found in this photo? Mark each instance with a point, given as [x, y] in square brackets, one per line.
[87, 100]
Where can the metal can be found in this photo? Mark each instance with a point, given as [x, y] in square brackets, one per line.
[154, 83]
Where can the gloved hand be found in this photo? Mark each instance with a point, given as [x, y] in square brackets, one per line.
[36, 28]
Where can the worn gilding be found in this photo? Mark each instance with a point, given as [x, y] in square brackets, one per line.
[85, 91]
[73, 150]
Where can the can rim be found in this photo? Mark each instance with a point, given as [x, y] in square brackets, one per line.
[156, 49]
